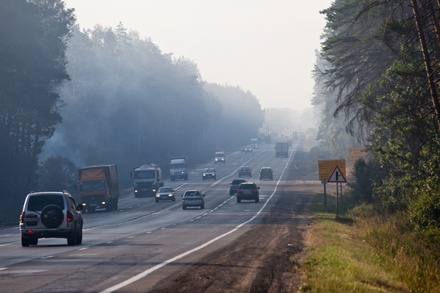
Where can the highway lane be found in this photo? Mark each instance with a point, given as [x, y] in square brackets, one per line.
[141, 235]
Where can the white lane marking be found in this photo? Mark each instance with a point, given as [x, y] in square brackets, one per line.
[84, 248]
[1, 269]
[22, 272]
[47, 257]
[171, 260]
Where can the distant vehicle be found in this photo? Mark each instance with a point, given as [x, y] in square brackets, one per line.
[245, 171]
[98, 187]
[209, 173]
[248, 149]
[266, 173]
[254, 143]
[50, 215]
[282, 149]
[248, 191]
[243, 149]
[165, 193]
[233, 186]
[146, 180]
[193, 198]
[219, 157]
[179, 168]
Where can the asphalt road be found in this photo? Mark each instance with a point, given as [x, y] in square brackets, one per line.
[144, 242]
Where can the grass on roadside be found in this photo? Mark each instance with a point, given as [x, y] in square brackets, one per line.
[364, 253]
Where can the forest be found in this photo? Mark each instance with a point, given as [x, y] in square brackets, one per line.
[377, 83]
[73, 97]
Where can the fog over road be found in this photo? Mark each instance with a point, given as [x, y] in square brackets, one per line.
[143, 239]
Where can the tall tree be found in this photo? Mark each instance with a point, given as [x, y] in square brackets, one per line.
[34, 35]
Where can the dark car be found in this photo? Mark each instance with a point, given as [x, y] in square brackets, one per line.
[209, 173]
[165, 193]
[233, 186]
[193, 198]
[245, 171]
[51, 214]
[266, 173]
[248, 191]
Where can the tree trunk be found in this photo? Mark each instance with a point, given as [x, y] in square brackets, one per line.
[426, 60]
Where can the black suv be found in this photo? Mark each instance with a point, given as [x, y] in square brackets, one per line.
[245, 171]
[233, 186]
[249, 191]
[266, 173]
[50, 215]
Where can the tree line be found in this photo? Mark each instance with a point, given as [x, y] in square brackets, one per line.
[378, 77]
[73, 97]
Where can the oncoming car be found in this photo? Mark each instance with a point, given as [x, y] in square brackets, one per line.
[209, 173]
[165, 193]
[193, 198]
[50, 215]
[219, 157]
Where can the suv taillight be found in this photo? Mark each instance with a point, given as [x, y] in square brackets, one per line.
[69, 217]
[23, 214]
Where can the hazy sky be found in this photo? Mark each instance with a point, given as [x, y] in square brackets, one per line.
[264, 46]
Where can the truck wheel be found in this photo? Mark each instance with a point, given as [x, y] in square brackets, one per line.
[238, 200]
[184, 207]
[186, 177]
[202, 207]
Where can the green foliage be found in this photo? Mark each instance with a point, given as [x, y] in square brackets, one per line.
[58, 173]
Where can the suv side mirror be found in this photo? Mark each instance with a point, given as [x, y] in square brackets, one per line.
[79, 207]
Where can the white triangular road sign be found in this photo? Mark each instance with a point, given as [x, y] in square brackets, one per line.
[336, 176]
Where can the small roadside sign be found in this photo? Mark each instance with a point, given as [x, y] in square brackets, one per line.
[337, 176]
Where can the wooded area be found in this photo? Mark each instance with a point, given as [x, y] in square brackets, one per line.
[378, 78]
[73, 97]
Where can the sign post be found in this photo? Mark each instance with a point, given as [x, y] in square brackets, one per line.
[326, 169]
[337, 177]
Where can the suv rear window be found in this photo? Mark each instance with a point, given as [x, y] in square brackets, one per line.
[247, 186]
[237, 182]
[39, 202]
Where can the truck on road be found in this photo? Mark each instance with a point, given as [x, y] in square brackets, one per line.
[146, 180]
[179, 168]
[282, 149]
[98, 187]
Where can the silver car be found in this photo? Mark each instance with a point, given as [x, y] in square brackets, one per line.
[165, 193]
[193, 198]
